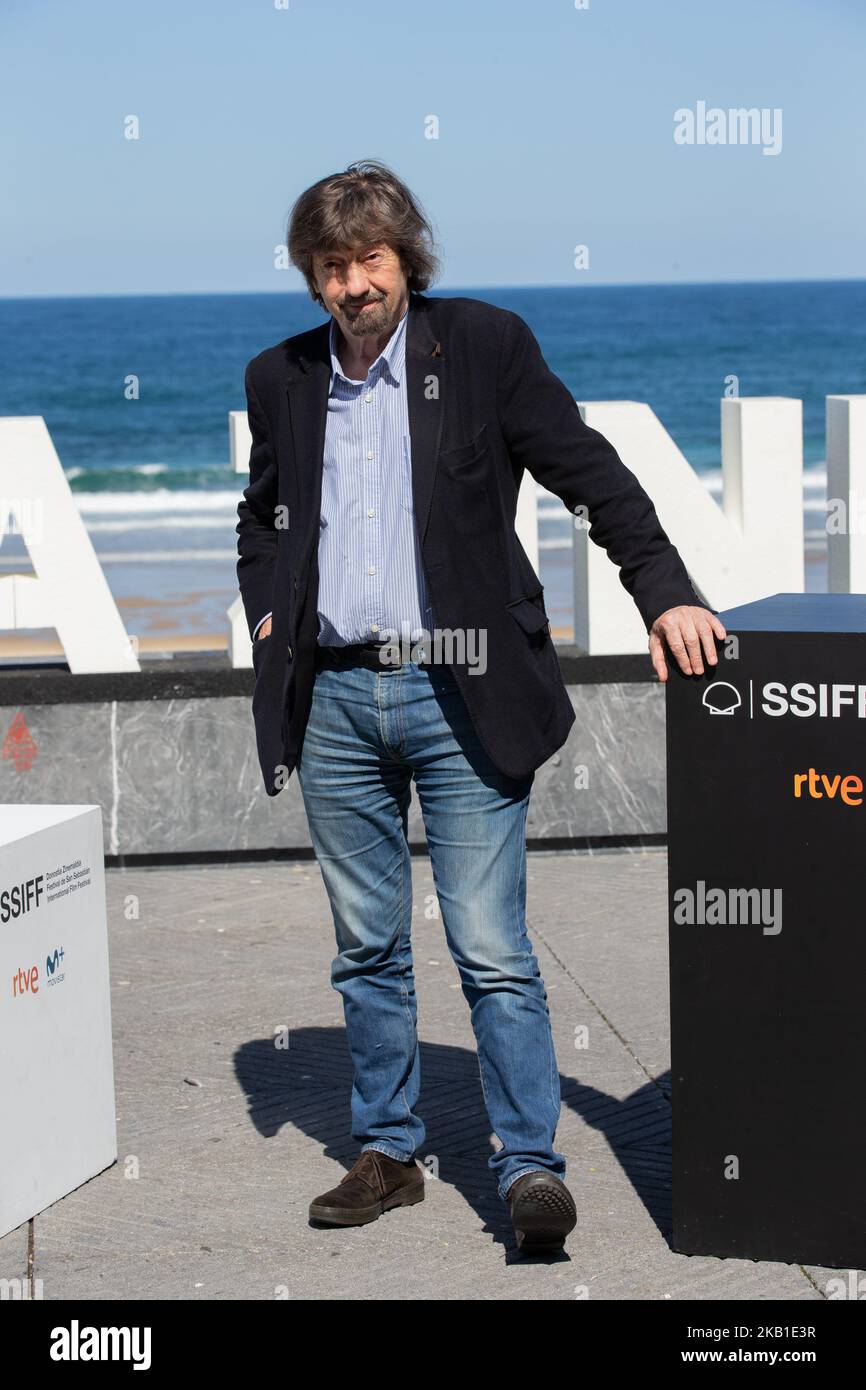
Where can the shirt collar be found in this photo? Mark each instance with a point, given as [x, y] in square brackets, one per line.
[392, 356]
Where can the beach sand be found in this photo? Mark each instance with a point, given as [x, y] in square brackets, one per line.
[189, 621]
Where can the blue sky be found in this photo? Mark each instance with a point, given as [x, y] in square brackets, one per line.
[555, 130]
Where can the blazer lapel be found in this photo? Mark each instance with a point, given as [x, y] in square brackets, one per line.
[425, 390]
[309, 380]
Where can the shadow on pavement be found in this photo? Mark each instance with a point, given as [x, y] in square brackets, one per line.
[308, 1086]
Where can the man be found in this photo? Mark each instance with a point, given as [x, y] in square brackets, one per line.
[399, 633]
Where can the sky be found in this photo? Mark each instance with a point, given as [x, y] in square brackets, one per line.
[555, 129]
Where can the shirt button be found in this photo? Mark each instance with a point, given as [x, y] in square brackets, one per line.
[374, 627]
[370, 454]
[369, 396]
[371, 511]
[371, 569]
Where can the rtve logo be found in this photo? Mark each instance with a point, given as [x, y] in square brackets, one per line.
[820, 787]
[25, 982]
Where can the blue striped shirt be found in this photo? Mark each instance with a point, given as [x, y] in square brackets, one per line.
[371, 580]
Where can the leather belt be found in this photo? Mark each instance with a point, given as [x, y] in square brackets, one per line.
[370, 655]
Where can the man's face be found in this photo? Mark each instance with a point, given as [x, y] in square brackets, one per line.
[363, 287]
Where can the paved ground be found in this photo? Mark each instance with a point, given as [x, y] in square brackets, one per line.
[225, 1138]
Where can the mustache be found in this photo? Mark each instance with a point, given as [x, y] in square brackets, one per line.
[352, 304]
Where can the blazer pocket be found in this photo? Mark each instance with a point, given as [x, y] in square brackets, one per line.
[529, 612]
[462, 456]
[260, 647]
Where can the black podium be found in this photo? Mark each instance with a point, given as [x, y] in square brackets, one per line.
[766, 769]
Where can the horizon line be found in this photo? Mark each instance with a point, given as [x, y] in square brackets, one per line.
[452, 289]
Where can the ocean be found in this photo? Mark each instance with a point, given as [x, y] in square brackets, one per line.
[151, 475]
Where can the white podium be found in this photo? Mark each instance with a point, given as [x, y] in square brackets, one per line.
[57, 1111]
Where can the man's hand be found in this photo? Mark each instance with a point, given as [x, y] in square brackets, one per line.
[686, 630]
[264, 630]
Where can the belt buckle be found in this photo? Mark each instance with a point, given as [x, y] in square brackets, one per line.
[374, 652]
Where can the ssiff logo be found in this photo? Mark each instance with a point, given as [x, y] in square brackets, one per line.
[22, 898]
[800, 700]
[721, 698]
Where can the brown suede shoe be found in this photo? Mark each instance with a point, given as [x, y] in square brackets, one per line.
[542, 1212]
[373, 1185]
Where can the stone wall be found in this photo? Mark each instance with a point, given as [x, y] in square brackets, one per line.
[169, 755]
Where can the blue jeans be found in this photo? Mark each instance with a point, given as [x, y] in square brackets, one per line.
[368, 734]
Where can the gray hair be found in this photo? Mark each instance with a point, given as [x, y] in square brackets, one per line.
[365, 205]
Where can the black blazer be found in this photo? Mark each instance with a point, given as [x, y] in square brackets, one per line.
[483, 405]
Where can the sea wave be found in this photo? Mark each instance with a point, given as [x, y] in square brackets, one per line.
[155, 521]
[142, 479]
[168, 501]
[161, 500]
